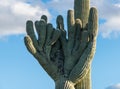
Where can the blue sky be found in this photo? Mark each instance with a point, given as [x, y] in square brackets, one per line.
[20, 70]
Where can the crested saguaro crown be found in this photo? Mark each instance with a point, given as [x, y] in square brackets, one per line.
[66, 60]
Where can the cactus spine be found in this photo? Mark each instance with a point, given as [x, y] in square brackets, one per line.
[66, 60]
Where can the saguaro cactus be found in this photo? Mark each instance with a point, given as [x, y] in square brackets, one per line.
[66, 59]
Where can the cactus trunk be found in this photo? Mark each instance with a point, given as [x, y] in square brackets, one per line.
[81, 11]
[81, 8]
[64, 83]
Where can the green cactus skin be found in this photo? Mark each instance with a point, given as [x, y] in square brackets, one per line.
[81, 8]
[67, 60]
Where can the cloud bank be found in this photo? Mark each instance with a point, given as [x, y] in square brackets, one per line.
[117, 86]
[14, 14]
[109, 14]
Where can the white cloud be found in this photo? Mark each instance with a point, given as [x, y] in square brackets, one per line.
[117, 86]
[14, 15]
[61, 5]
[118, 5]
[111, 13]
[111, 27]
[108, 10]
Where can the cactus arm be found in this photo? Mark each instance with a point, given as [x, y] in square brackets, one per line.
[41, 48]
[71, 31]
[44, 17]
[29, 44]
[41, 58]
[60, 22]
[74, 27]
[41, 30]
[48, 33]
[85, 83]
[71, 59]
[52, 36]
[33, 51]
[81, 12]
[60, 26]
[47, 45]
[70, 20]
[77, 42]
[83, 43]
[93, 23]
[82, 67]
[30, 32]
[55, 36]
